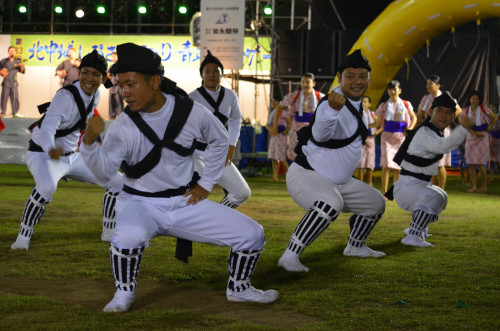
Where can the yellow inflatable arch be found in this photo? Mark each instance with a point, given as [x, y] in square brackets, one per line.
[407, 25]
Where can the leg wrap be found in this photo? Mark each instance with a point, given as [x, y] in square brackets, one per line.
[314, 222]
[361, 227]
[108, 206]
[125, 264]
[33, 211]
[420, 220]
[240, 266]
[226, 202]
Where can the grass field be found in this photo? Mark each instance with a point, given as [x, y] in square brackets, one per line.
[65, 279]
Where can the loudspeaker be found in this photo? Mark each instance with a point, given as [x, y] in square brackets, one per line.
[290, 52]
[320, 52]
[345, 41]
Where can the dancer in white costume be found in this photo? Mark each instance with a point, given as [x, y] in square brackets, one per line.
[52, 151]
[419, 157]
[153, 142]
[321, 181]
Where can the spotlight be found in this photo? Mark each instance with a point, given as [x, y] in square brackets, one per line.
[142, 9]
[79, 13]
[101, 9]
[58, 9]
[22, 9]
[268, 10]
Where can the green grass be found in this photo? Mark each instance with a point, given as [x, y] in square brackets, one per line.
[65, 279]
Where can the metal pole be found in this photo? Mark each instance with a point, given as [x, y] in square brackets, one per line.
[309, 11]
[292, 15]
[52, 17]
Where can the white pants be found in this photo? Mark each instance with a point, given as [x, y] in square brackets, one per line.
[231, 180]
[47, 173]
[139, 219]
[414, 194]
[307, 186]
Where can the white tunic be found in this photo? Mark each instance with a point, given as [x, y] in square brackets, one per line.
[338, 165]
[229, 107]
[124, 141]
[62, 114]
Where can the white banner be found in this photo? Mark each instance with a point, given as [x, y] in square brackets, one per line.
[223, 30]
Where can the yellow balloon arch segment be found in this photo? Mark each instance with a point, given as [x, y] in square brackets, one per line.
[405, 26]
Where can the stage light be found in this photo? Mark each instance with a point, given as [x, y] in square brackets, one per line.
[183, 9]
[79, 13]
[22, 9]
[142, 9]
[268, 10]
[58, 9]
[101, 9]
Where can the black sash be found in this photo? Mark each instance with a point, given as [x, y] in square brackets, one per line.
[182, 109]
[166, 193]
[402, 153]
[84, 112]
[215, 104]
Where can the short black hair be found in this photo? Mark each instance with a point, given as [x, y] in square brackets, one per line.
[394, 83]
[367, 97]
[309, 75]
[472, 93]
[435, 78]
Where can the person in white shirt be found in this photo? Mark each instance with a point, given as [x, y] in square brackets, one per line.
[52, 151]
[321, 178]
[153, 142]
[419, 157]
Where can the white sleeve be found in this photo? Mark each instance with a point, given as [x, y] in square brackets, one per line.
[326, 122]
[58, 111]
[443, 145]
[234, 121]
[215, 134]
[105, 161]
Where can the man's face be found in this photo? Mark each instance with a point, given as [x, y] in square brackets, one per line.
[12, 52]
[354, 82]
[72, 54]
[307, 84]
[366, 103]
[137, 90]
[442, 117]
[90, 79]
[211, 75]
[114, 57]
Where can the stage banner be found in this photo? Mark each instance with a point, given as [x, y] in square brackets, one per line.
[222, 30]
[175, 51]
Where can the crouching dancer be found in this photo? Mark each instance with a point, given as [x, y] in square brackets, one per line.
[320, 180]
[419, 157]
[153, 143]
[52, 150]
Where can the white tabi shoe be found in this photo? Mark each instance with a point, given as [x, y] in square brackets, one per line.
[363, 251]
[291, 262]
[107, 234]
[252, 295]
[424, 234]
[21, 242]
[121, 302]
[413, 240]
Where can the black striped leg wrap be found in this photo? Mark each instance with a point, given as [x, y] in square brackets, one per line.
[240, 266]
[314, 222]
[108, 209]
[226, 202]
[33, 211]
[125, 264]
[420, 220]
[361, 227]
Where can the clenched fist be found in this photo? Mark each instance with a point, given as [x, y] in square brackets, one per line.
[94, 127]
[336, 100]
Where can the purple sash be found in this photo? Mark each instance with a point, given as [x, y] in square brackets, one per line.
[393, 126]
[306, 117]
[495, 134]
[281, 128]
[479, 128]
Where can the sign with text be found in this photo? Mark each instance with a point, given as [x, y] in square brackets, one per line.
[222, 31]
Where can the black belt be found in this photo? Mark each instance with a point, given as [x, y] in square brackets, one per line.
[33, 147]
[301, 160]
[423, 177]
[200, 146]
[164, 194]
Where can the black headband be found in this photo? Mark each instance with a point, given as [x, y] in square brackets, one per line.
[444, 100]
[211, 59]
[354, 60]
[96, 61]
[135, 58]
